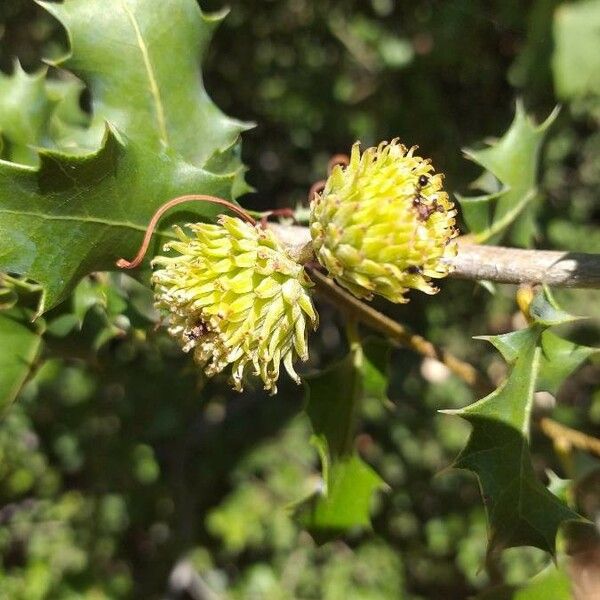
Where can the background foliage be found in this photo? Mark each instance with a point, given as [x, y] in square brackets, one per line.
[123, 473]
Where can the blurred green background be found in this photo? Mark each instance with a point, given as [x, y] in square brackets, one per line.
[124, 474]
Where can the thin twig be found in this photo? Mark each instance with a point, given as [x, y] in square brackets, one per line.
[123, 263]
[565, 437]
[396, 332]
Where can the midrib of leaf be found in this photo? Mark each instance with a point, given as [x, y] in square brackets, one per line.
[154, 90]
[84, 219]
[503, 222]
[520, 477]
[534, 370]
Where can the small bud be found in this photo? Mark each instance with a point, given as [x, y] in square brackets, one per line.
[383, 224]
[235, 297]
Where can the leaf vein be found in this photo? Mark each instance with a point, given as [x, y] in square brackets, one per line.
[79, 218]
[154, 90]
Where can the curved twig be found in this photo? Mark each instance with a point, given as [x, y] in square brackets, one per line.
[123, 263]
[399, 333]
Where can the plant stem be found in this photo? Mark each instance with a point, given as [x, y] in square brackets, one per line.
[396, 332]
[498, 264]
[566, 438]
[123, 263]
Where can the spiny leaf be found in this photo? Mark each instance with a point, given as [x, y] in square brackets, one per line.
[25, 109]
[333, 397]
[560, 358]
[344, 503]
[513, 161]
[139, 58]
[545, 311]
[576, 58]
[39, 112]
[375, 368]
[79, 212]
[21, 342]
[521, 511]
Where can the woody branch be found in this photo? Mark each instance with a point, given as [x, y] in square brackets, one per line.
[494, 263]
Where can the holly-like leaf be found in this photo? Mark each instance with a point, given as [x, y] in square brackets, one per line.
[140, 61]
[521, 511]
[79, 212]
[21, 342]
[513, 162]
[375, 369]
[545, 311]
[576, 58]
[25, 109]
[39, 112]
[333, 399]
[560, 358]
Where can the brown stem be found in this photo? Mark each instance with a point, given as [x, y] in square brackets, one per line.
[123, 263]
[337, 159]
[566, 437]
[277, 212]
[315, 188]
[399, 333]
[514, 265]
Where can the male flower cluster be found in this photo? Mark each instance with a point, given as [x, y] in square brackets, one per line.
[235, 297]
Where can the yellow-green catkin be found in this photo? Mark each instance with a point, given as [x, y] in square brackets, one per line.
[235, 297]
[383, 224]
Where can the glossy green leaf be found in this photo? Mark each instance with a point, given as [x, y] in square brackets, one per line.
[521, 511]
[77, 213]
[513, 161]
[560, 358]
[576, 58]
[39, 112]
[20, 342]
[333, 399]
[140, 60]
[544, 310]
